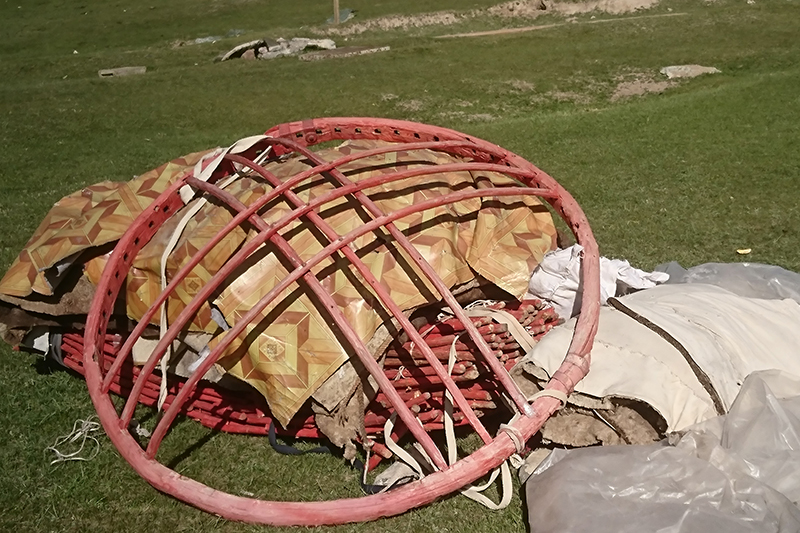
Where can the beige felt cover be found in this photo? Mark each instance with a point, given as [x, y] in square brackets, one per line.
[727, 335]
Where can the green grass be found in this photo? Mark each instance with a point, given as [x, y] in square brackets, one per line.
[709, 166]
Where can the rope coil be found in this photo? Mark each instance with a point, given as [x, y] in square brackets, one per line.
[82, 431]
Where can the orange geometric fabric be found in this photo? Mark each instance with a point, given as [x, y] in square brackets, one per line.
[293, 349]
[87, 218]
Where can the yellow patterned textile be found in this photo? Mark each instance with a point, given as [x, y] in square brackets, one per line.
[290, 352]
[295, 347]
[90, 217]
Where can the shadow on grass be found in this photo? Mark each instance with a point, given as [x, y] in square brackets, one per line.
[45, 366]
[185, 454]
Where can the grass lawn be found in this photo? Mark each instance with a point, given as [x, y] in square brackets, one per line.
[707, 166]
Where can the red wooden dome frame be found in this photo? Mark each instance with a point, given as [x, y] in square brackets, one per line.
[296, 138]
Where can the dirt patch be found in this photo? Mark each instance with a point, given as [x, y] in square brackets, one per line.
[521, 86]
[525, 9]
[641, 83]
[480, 117]
[399, 22]
[518, 8]
[533, 8]
[411, 105]
[347, 51]
[639, 86]
[569, 96]
[614, 7]
[469, 117]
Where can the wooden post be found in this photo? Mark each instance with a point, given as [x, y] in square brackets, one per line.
[336, 11]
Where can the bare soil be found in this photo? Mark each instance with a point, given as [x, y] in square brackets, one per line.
[410, 105]
[398, 22]
[639, 87]
[515, 9]
[569, 96]
[469, 117]
[521, 85]
[614, 7]
[519, 9]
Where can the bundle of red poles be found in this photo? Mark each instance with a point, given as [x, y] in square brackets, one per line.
[412, 376]
[415, 380]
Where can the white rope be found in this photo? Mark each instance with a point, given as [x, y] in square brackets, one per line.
[519, 333]
[552, 393]
[82, 431]
[474, 492]
[170, 247]
[395, 448]
[515, 460]
[515, 436]
[480, 303]
[449, 426]
[423, 335]
[162, 324]
[366, 466]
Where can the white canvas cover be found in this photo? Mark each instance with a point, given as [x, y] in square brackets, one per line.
[727, 336]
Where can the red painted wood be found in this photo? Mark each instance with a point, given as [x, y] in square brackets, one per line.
[483, 155]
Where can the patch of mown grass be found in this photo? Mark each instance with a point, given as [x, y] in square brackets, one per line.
[691, 174]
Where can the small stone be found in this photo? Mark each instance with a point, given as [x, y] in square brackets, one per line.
[238, 51]
[348, 51]
[270, 49]
[687, 71]
[121, 71]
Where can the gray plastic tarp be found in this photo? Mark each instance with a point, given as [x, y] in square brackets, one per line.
[735, 473]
